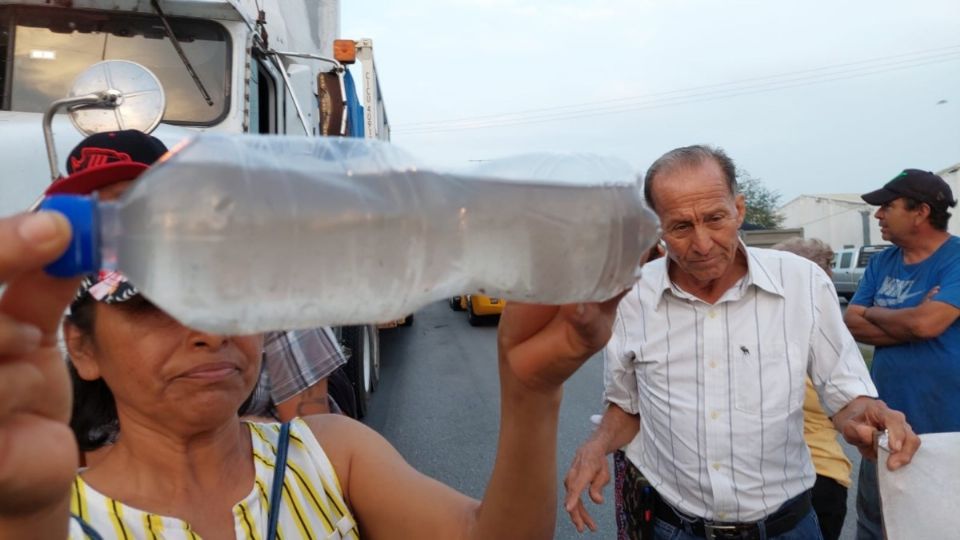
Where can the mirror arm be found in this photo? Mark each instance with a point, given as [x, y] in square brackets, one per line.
[106, 99]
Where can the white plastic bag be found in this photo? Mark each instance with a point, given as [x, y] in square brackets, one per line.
[922, 500]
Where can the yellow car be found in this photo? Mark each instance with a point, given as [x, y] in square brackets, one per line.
[479, 307]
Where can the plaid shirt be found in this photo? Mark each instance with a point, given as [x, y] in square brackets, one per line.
[292, 362]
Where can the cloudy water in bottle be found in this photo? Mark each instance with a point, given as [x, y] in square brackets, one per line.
[240, 234]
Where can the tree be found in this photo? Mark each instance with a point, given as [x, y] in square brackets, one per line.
[762, 201]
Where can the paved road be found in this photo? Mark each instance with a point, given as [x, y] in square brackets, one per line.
[438, 404]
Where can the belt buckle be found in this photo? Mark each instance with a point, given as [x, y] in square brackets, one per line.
[718, 531]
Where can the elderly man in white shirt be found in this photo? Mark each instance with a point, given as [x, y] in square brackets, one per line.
[705, 372]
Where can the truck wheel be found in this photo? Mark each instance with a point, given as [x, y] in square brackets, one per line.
[408, 321]
[455, 303]
[356, 342]
[473, 318]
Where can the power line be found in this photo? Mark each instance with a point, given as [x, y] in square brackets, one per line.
[693, 94]
[953, 50]
[656, 104]
[508, 120]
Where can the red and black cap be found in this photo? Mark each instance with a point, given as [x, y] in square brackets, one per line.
[922, 186]
[106, 158]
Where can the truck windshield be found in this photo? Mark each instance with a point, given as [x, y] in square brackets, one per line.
[44, 49]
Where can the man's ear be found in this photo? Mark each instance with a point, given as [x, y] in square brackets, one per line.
[79, 350]
[923, 213]
[741, 202]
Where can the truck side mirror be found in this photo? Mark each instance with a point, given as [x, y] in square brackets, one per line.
[108, 96]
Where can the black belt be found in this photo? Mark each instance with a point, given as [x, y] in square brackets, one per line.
[777, 523]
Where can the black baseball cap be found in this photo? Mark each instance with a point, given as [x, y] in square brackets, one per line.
[106, 158]
[923, 186]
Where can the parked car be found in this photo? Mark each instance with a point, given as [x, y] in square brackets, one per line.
[849, 264]
[479, 307]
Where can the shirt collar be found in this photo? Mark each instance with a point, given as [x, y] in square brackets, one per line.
[758, 274]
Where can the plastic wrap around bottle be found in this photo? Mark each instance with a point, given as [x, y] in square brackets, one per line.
[237, 234]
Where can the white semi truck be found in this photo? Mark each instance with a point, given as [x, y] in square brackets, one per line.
[237, 66]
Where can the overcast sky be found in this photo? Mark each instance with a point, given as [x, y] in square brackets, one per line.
[811, 96]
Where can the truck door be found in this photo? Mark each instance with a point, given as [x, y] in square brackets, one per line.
[264, 107]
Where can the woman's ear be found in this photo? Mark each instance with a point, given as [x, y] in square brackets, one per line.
[79, 351]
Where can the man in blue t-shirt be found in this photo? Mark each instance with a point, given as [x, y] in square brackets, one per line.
[907, 305]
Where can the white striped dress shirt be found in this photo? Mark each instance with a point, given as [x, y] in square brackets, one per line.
[719, 388]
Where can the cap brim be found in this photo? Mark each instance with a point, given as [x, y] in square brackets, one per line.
[879, 197]
[90, 180]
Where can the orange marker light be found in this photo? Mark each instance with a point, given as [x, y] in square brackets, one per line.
[345, 51]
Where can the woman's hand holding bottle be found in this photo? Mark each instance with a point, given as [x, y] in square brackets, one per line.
[38, 454]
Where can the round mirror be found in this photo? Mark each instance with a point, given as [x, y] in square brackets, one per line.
[139, 97]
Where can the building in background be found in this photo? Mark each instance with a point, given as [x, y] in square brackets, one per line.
[839, 219]
[756, 236]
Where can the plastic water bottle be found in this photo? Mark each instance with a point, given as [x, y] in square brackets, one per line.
[240, 234]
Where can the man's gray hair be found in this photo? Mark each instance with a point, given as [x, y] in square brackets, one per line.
[689, 156]
[809, 248]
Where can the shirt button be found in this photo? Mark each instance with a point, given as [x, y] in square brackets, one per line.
[713, 364]
[716, 465]
[715, 415]
[712, 314]
[721, 516]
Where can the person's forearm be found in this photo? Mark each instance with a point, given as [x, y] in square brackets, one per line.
[850, 410]
[900, 324]
[865, 331]
[521, 497]
[616, 429]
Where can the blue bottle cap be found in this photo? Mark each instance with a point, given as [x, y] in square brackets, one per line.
[83, 254]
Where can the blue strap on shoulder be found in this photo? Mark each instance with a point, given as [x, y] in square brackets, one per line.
[276, 490]
[88, 530]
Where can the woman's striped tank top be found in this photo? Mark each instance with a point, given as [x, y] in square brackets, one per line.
[312, 506]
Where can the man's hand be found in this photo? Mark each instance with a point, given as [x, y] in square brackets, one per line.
[39, 455]
[542, 346]
[589, 468]
[863, 417]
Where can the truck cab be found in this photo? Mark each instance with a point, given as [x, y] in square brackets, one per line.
[234, 66]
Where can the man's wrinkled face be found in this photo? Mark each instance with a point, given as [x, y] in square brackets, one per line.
[700, 219]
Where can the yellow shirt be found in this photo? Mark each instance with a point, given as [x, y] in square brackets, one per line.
[312, 505]
[828, 458]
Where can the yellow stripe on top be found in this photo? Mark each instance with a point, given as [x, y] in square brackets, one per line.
[147, 528]
[290, 501]
[242, 513]
[318, 504]
[337, 502]
[154, 525]
[188, 530]
[256, 430]
[262, 490]
[76, 501]
[116, 516]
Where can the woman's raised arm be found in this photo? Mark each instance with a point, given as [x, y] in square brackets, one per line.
[539, 348]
